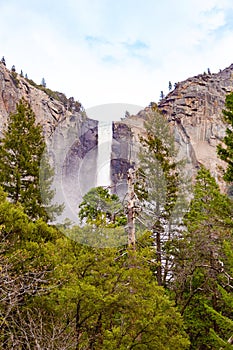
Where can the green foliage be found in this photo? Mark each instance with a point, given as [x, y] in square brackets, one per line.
[203, 266]
[101, 208]
[25, 271]
[104, 235]
[114, 301]
[225, 151]
[159, 185]
[56, 293]
[21, 150]
[14, 77]
[209, 205]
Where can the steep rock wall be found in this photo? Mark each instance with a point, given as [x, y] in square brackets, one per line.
[194, 109]
[69, 134]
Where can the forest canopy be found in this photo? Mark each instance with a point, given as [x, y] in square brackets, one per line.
[171, 289]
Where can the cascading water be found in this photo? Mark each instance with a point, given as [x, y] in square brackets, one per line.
[104, 153]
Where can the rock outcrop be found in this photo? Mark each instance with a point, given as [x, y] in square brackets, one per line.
[50, 108]
[55, 112]
[70, 135]
[194, 108]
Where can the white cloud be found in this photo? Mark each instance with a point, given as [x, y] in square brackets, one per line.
[103, 51]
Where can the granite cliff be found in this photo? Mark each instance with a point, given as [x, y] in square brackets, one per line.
[69, 133]
[194, 108]
[53, 111]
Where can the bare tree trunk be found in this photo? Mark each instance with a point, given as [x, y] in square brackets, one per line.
[77, 325]
[131, 209]
[159, 258]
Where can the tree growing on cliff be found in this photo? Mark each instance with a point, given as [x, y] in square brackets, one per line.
[43, 83]
[225, 152]
[3, 61]
[161, 95]
[21, 151]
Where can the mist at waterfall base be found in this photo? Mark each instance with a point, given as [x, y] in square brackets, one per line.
[90, 171]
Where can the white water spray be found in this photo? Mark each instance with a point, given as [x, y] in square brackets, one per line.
[104, 153]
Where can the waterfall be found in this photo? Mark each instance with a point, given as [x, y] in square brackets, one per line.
[104, 153]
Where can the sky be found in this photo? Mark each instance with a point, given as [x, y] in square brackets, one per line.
[115, 51]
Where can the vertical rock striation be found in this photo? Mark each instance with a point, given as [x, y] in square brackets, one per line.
[194, 109]
[71, 137]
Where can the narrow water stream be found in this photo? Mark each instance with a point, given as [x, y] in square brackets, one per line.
[104, 153]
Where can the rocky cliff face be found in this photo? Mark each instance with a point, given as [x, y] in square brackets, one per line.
[51, 108]
[194, 108]
[70, 135]
[125, 147]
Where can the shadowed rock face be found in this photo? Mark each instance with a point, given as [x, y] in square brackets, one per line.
[64, 122]
[71, 137]
[194, 108]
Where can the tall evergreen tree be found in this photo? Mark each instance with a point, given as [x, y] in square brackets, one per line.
[58, 294]
[160, 173]
[226, 152]
[21, 150]
[203, 265]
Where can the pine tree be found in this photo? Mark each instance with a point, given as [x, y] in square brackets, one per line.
[21, 150]
[161, 95]
[3, 60]
[43, 83]
[159, 172]
[111, 305]
[202, 282]
[226, 152]
[170, 86]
